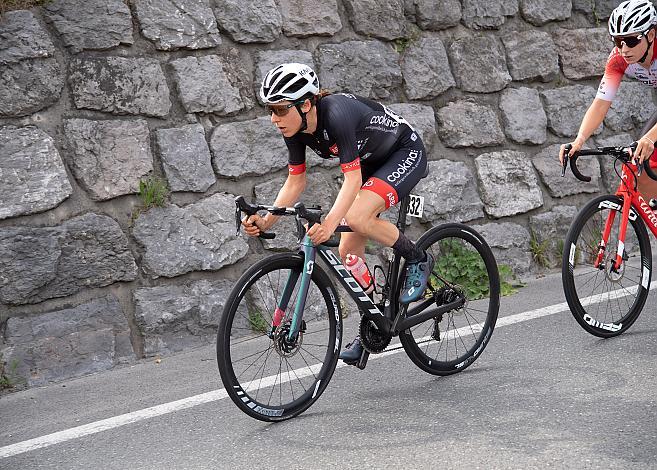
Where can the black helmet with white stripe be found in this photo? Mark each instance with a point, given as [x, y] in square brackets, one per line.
[632, 17]
[290, 82]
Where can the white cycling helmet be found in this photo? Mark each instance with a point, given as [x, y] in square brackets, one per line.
[290, 82]
[632, 17]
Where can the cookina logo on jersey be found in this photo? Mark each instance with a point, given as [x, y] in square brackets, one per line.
[404, 166]
[386, 121]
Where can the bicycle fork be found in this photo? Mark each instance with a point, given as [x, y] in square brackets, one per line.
[606, 233]
[309, 252]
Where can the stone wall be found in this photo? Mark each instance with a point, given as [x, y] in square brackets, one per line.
[97, 95]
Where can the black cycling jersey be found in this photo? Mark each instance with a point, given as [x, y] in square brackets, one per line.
[368, 136]
[357, 130]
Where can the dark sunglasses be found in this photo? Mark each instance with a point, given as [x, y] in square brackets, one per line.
[629, 41]
[282, 110]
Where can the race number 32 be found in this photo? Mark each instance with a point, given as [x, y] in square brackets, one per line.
[415, 206]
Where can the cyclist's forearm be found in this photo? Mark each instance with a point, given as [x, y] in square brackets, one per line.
[651, 134]
[288, 195]
[345, 199]
[592, 119]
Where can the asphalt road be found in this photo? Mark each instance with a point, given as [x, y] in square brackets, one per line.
[543, 394]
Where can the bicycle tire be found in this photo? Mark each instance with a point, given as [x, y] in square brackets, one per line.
[466, 331]
[587, 304]
[296, 375]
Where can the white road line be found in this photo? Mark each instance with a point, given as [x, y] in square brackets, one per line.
[216, 395]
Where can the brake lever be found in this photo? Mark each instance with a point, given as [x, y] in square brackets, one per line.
[238, 220]
[566, 156]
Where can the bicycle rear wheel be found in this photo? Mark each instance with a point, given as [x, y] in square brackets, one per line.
[465, 266]
[606, 303]
[266, 375]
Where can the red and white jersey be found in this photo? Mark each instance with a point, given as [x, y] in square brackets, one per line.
[617, 67]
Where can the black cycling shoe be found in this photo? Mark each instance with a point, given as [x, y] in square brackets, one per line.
[417, 277]
[352, 352]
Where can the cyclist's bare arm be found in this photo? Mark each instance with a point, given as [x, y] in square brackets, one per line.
[319, 233]
[287, 196]
[592, 119]
[346, 197]
[646, 144]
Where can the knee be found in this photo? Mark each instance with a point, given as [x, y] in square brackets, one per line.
[359, 221]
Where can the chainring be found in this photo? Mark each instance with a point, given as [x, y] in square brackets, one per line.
[373, 340]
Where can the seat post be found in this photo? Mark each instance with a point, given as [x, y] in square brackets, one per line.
[403, 208]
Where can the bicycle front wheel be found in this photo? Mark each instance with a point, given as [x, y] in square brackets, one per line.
[606, 300]
[464, 267]
[267, 375]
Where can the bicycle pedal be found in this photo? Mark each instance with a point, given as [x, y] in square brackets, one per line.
[362, 362]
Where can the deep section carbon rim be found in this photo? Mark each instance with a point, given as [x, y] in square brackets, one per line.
[605, 299]
[268, 375]
[465, 266]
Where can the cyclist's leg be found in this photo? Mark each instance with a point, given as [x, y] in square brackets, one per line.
[354, 243]
[389, 184]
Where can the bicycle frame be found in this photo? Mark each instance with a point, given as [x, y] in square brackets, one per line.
[389, 321]
[352, 287]
[633, 204]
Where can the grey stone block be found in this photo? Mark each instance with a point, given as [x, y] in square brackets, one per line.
[531, 55]
[63, 344]
[509, 243]
[450, 193]
[172, 318]
[368, 68]
[247, 148]
[317, 19]
[583, 52]
[426, 69]
[479, 64]
[507, 173]
[92, 24]
[547, 164]
[249, 21]
[434, 16]
[197, 237]
[108, 158]
[565, 107]
[540, 12]
[421, 117]
[483, 14]
[204, 86]
[30, 77]
[633, 106]
[523, 116]
[43, 263]
[175, 25]
[120, 85]
[466, 124]
[382, 19]
[33, 178]
[186, 158]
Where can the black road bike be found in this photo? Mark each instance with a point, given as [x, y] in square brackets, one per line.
[280, 332]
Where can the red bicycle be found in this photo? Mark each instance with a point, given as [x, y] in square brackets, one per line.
[607, 259]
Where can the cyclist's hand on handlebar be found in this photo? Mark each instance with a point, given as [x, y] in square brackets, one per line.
[319, 233]
[644, 150]
[254, 225]
[575, 145]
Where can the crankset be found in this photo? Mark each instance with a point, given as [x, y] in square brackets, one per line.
[372, 338]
